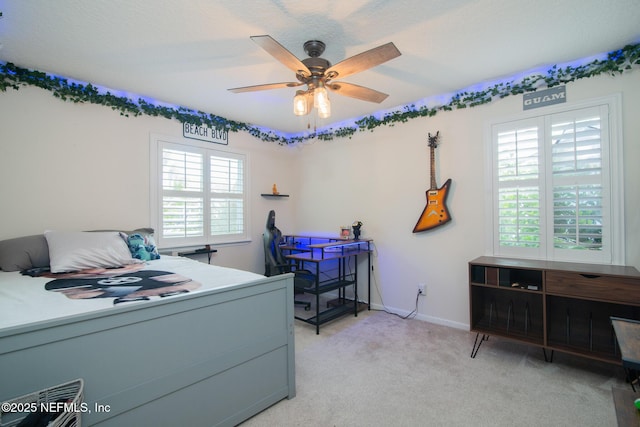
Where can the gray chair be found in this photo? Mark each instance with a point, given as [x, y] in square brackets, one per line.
[275, 262]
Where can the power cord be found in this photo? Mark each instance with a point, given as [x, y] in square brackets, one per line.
[411, 315]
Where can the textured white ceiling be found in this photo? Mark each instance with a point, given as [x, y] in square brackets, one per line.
[189, 53]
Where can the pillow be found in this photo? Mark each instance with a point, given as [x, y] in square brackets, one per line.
[79, 250]
[23, 253]
[146, 249]
[142, 246]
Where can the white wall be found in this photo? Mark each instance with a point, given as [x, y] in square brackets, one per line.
[380, 178]
[69, 167]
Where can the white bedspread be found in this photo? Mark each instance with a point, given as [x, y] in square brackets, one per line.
[24, 299]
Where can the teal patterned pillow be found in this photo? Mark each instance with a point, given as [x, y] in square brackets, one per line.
[142, 246]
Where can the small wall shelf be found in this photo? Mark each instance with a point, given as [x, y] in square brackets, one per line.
[274, 195]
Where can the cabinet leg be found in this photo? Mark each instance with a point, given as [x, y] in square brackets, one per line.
[476, 344]
[547, 359]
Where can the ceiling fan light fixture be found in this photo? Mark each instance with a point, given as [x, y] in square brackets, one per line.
[316, 72]
[324, 110]
[301, 103]
[320, 96]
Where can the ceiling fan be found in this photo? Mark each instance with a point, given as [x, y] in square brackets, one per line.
[318, 74]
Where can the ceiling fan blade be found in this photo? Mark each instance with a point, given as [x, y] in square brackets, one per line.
[264, 87]
[279, 52]
[363, 61]
[358, 92]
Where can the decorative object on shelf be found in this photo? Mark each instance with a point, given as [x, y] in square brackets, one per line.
[345, 233]
[274, 192]
[356, 229]
[616, 62]
[435, 213]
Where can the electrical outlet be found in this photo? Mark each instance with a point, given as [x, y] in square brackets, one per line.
[422, 290]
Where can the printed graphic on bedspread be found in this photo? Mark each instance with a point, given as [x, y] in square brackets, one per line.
[123, 286]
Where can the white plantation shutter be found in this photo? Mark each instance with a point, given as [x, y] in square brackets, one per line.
[551, 186]
[227, 196]
[519, 207]
[580, 201]
[518, 186]
[519, 217]
[578, 217]
[182, 194]
[201, 197]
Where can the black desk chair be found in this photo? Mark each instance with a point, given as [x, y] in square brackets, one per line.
[275, 263]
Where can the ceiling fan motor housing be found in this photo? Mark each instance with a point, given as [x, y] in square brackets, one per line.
[314, 48]
[317, 66]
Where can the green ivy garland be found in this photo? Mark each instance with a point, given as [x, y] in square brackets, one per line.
[616, 62]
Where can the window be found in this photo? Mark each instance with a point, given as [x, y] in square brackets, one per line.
[198, 194]
[556, 186]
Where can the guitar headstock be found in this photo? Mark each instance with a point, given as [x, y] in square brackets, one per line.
[433, 140]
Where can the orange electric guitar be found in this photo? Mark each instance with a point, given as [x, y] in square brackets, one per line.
[436, 212]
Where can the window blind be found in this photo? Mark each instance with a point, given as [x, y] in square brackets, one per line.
[576, 154]
[202, 195]
[183, 196]
[551, 186]
[227, 204]
[518, 166]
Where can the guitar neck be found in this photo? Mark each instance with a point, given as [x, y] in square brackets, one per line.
[432, 155]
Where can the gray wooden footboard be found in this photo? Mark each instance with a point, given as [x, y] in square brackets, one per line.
[212, 358]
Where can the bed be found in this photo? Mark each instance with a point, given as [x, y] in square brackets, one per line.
[214, 354]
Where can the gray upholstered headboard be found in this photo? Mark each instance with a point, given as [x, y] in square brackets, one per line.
[23, 253]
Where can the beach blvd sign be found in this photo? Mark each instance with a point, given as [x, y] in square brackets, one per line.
[205, 133]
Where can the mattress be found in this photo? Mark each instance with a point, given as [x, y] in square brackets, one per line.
[26, 300]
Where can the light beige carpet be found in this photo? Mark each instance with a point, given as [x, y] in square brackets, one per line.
[380, 370]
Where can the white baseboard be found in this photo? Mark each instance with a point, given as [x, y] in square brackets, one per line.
[423, 317]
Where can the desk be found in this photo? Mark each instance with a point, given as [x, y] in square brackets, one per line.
[628, 335]
[198, 252]
[339, 251]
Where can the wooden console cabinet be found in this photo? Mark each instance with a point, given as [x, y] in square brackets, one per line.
[554, 305]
